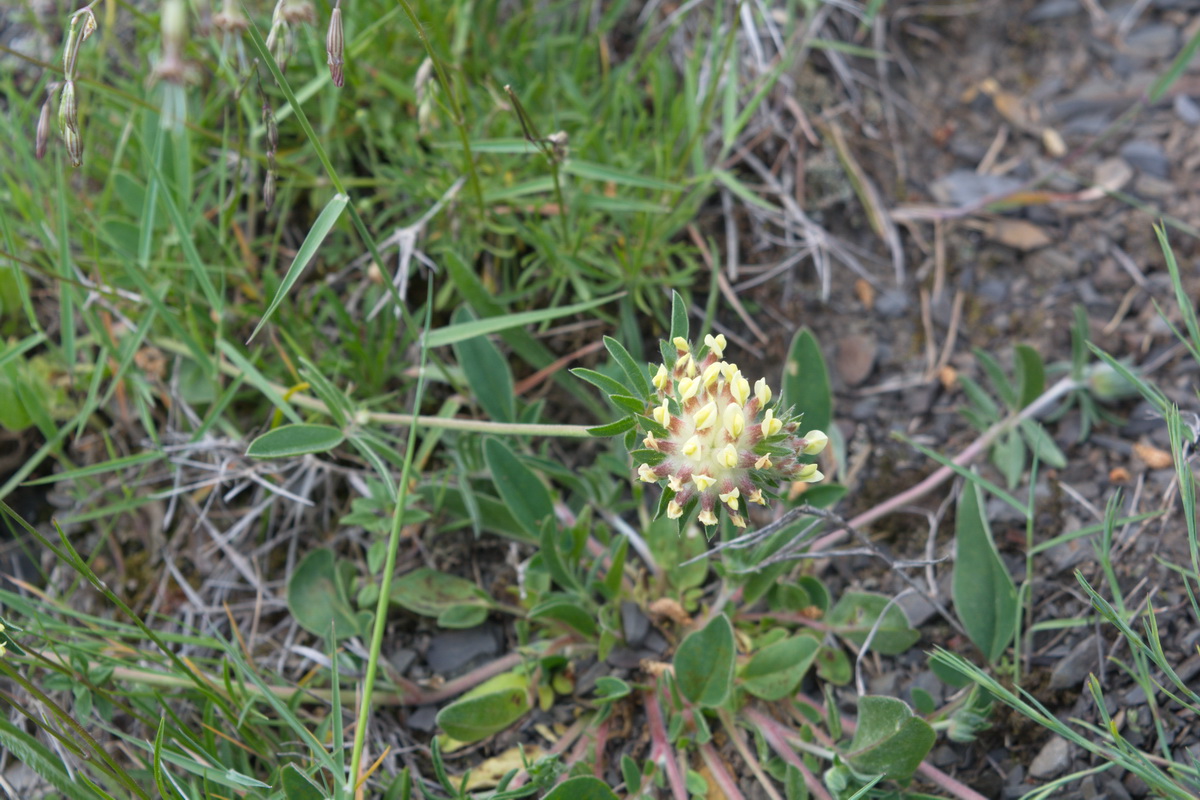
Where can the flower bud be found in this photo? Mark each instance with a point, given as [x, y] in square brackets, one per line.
[705, 417]
[734, 420]
[335, 47]
[762, 391]
[674, 510]
[728, 457]
[688, 388]
[646, 474]
[74, 144]
[815, 442]
[693, 449]
[809, 474]
[770, 425]
[716, 344]
[739, 387]
[661, 378]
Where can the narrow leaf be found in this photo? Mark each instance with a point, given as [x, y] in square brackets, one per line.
[523, 492]
[316, 234]
[805, 383]
[481, 327]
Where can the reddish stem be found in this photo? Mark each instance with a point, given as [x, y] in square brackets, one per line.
[941, 475]
[776, 736]
[725, 781]
[660, 748]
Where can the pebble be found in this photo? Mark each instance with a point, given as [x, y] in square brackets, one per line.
[634, 623]
[1146, 156]
[856, 357]
[1053, 9]
[1053, 758]
[1072, 669]
[454, 651]
[892, 303]
[424, 719]
[1187, 109]
[1154, 188]
[963, 187]
[1152, 41]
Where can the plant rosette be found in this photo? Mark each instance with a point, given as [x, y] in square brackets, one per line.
[713, 443]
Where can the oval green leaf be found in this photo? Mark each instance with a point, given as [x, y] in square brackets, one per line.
[317, 598]
[584, 787]
[889, 740]
[704, 663]
[487, 372]
[295, 440]
[431, 593]
[473, 718]
[775, 671]
[854, 617]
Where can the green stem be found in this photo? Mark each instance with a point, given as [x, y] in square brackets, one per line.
[455, 108]
[386, 418]
[389, 570]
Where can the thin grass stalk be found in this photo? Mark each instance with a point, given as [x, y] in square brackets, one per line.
[105, 764]
[389, 566]
[460, 122]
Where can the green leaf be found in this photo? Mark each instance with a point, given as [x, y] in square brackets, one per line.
[288, 441]
[600, 381]
[317, 597]
[431, 593]
[567, 611]
[1040, 443]
[552, 556]
[613, 428]
[487, 373]
[638, 384]
[316, 234]
[776, 670]
[1031, 374]
[704, 663]
[985, 596]
[805, 383]
[606, 174]
[854, 615]
[584, 787]
[43, 761]
[1008, 455]
[481, 327]
[462, 616]
[679, 317]
[833, 665]
[889, 740]
[609, 688]
[487, 709]
[298, 786]
[1003, 386]
[523, 492]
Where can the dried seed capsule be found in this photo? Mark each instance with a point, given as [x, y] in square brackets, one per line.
[272, 129]
[68, 109]
[269, 190]
[74, 144]
[335, 47]
[43, 130]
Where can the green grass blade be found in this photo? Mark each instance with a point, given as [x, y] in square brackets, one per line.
[316, 234]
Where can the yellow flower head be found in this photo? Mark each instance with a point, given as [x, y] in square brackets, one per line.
[692, 448]
[688, 388]
[646, 473]
[703, 481]
[734, 420]
[739, 387]
[716, 344]
[770, 425]
[728, 456]
[707, 517]
[674, 510]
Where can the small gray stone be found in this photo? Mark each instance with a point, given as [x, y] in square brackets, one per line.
[424, 719]
[1070, 670]
[1053, 9]
[964, 187]
[454, 651]
[1053, 758]
[917, 608]
[1146, 156]
[634, 623]
[892, 303]
[1152, 41]
[1187, 109]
